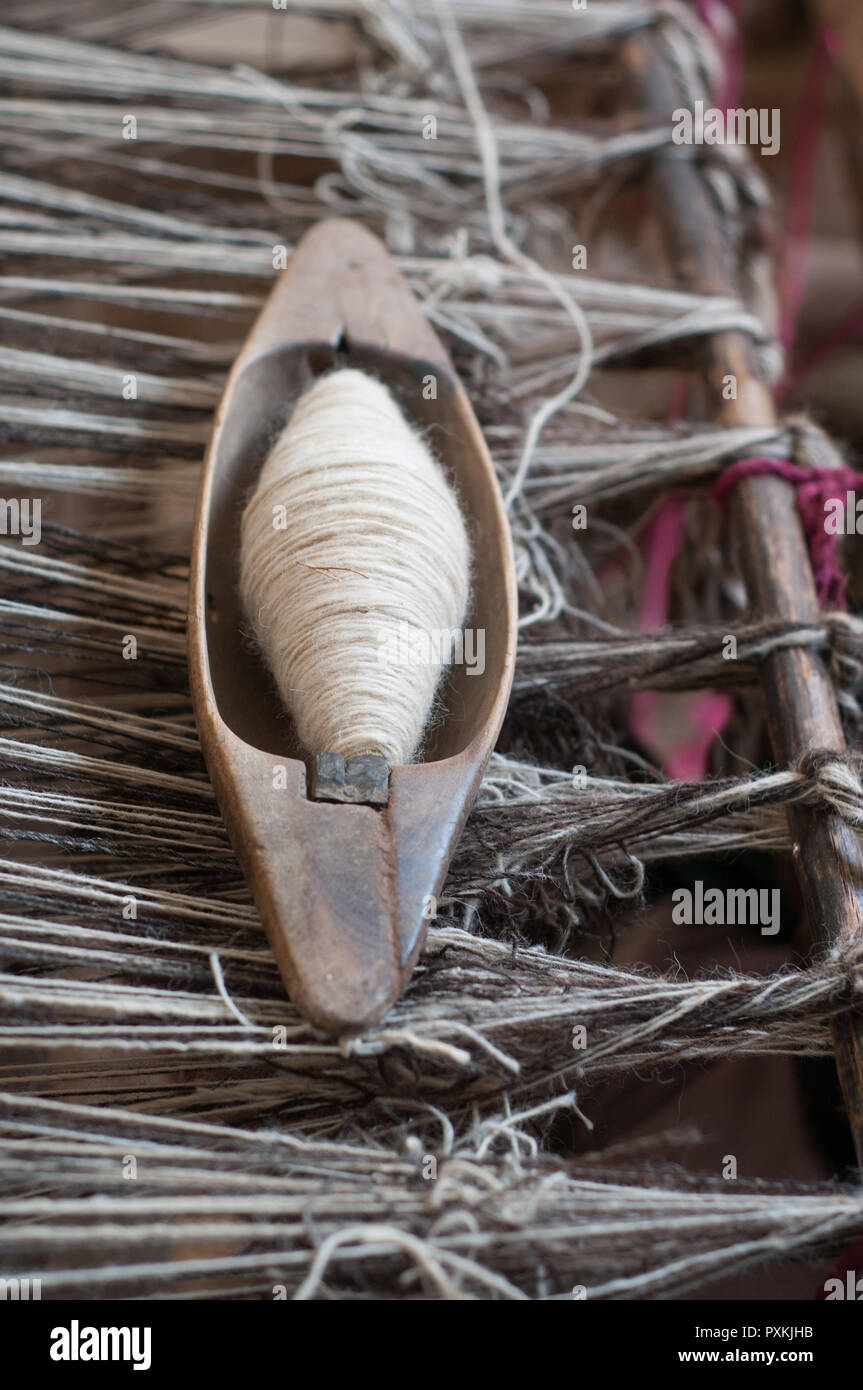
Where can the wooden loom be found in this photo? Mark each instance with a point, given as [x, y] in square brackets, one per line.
[186, 984]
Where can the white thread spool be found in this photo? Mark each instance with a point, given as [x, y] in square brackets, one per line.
[353, 553]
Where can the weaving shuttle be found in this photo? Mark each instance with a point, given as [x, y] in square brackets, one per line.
[345, 865]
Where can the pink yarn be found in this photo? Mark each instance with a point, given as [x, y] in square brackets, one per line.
[665, 538]
[815, 487]
[706, 713]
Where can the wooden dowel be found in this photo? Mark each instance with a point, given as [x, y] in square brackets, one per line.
[800, 700]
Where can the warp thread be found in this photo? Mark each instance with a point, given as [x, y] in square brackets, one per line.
[258, 1207]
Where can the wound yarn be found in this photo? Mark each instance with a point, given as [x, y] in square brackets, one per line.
[354, 570]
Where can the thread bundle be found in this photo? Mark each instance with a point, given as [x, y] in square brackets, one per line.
[352, 539]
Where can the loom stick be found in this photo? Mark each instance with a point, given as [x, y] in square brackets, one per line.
[800, 700]
[345, 862]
